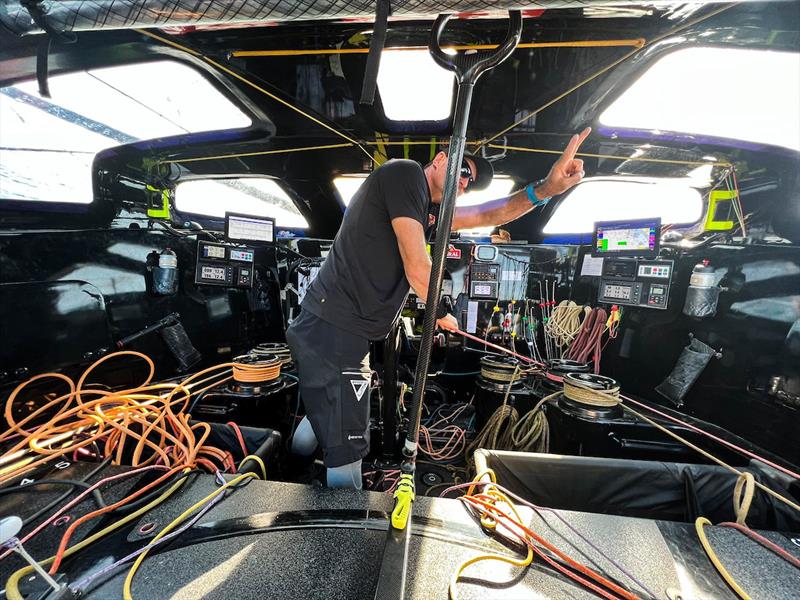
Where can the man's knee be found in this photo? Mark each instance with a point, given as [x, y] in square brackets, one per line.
[346, 476]
[304, 441]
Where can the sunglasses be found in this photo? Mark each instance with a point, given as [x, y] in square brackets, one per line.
[466, 172]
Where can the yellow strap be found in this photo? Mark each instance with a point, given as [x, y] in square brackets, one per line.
[637, 42]
[743, 496]
[255, 86]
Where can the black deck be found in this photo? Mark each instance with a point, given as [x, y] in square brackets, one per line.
[283, 540]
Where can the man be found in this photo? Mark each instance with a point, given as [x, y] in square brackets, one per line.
[363, 283]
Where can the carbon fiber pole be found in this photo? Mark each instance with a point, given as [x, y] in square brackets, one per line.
[439, 255]
[468, 68]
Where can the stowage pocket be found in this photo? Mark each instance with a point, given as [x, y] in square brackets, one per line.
[354, 396]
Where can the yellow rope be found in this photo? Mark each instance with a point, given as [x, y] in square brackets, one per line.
[488, 522]
[126, 588]
[565, 322]
[12, 584]
[256, 87]
[637, 42]
[698, 525]
[255, 459]
[426, 143]
[607, 68]
[613, 157]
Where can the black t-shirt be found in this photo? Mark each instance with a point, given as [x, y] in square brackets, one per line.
[362, 286]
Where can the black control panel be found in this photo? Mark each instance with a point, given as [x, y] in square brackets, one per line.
[224, 264]
[484, 281]
[636, 282]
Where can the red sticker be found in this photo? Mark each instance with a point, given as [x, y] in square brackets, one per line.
[453, 252]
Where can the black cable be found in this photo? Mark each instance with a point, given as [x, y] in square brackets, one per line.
[96, 495]
[154, 494]
[60, 499]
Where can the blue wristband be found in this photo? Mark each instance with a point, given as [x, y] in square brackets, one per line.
[531, 190]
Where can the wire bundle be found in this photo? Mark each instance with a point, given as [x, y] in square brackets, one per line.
[588, 345]
[494, 508]
[440, 438]
[532, 432]
[145, 425]
[564, 323]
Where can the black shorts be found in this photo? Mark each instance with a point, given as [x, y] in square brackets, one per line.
[335, 377]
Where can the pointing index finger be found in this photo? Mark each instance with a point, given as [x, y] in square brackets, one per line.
[575, 143]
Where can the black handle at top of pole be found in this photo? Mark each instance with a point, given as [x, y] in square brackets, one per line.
[469, 67]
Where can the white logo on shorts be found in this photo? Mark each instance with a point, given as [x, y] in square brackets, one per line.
[359, 387]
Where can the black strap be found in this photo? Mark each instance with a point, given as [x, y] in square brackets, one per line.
[376, 44]
[34, 8]
[42, 54]
[445, 307]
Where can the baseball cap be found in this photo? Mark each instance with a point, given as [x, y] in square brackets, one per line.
[483, 177]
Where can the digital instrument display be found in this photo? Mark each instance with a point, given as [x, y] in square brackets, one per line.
[627, 238]
[243, 255]
[484, 280]
[215, 273]
[618, 292]
[636, 282]
[249, 228]
[210, 251]
[660, 271]
[485, 253]
[224, 264]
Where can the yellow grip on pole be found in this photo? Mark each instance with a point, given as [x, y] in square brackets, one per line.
[404, 498]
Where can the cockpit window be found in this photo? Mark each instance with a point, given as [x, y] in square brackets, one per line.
[413, 87]
[347, 186]
[47, 145]
[675, 200]
[257, 196]
[736, 94]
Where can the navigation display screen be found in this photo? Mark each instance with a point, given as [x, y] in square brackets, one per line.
[627, 238]
[249, 228]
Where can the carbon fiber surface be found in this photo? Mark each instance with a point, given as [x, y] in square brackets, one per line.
[85, 15]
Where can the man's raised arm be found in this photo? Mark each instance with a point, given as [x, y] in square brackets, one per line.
[565, 173]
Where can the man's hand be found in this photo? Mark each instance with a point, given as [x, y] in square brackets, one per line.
[448, 323]
[568, 170]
